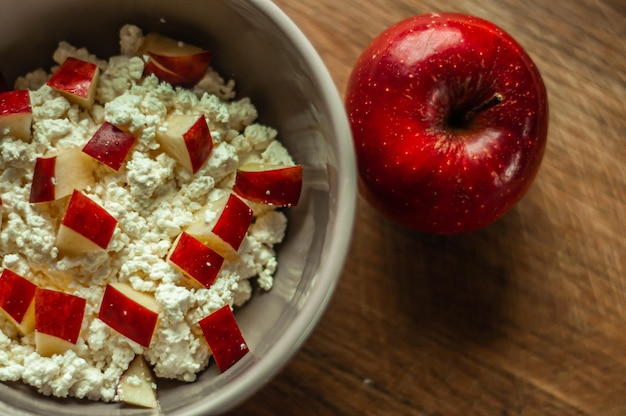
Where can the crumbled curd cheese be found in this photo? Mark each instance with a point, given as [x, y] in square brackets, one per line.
[153, 199]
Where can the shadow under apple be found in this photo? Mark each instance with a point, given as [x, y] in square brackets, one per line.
[458, 286]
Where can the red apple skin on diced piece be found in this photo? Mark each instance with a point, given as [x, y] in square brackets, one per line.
[187, 139]
[190, 69]
[199, 143]
[224, 234]
[58, 318]
[16, 113]
[163, 74]
[77, 80]
[131, 313]
[110, 145]
[224, 337]
[196, 260]
[17, 296]
[232, 225]
[84, 218]
[175, 62]
[44, 180]
[57, 176]
[271, 185]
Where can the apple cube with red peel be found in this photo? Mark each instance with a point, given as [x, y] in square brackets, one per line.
[224, 337]
[234, 221]
[86, 226]
[16, 113]
[131, 313]
[197, 261]
[110, 145]
[269, 184]
[187, 139]
[173, 61]
[17, 300]
[58, 320]
[152, 67]
[76, 80]
[137, 385]
[57, 176]
[225, 234]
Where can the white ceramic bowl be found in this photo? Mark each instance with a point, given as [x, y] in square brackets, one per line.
[273, 64]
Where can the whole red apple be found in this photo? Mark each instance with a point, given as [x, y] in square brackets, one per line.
[449, 117]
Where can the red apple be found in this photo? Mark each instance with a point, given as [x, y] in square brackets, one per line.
[16, 113]
[131, 313]
[85, 227]
[173, 61]
[57, 176]
[58, 320]
[269, 184]
[110, 145]
[77, 80]
[449, 118]
[223, 335]
[187, 139]
[17, 300]
[137, 385]
[197, 261]
[227, 231]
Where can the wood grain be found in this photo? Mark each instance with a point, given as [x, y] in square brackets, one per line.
[525, 317]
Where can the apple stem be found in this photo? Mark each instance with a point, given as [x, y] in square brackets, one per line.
[493, 101]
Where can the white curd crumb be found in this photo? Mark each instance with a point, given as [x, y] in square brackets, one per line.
[65, 50]
[131, 38]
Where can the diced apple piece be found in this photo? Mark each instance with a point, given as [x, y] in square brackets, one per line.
[58, 320]
[187, 139]
[86, 226]
[110, 145]
[131, 313]
[269, 184]
[173, 61]
[137, 385]
[16, 113]
[57, 176]
[198, 262]
[224, 337]
[227, 231]
[152, 67]
[43, 187]
[17, 300]
[77, 80]
[234, 221]
[186, 71]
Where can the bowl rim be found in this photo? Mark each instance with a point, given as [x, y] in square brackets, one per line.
[239, 389]
[342, 202]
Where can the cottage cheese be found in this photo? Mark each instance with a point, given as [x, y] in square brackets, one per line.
[153, 199]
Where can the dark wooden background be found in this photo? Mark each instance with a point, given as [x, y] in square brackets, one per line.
[525, 317]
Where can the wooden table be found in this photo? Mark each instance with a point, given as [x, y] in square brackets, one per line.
[525, 317]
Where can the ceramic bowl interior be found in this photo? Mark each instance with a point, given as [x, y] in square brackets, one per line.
[253, 42]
